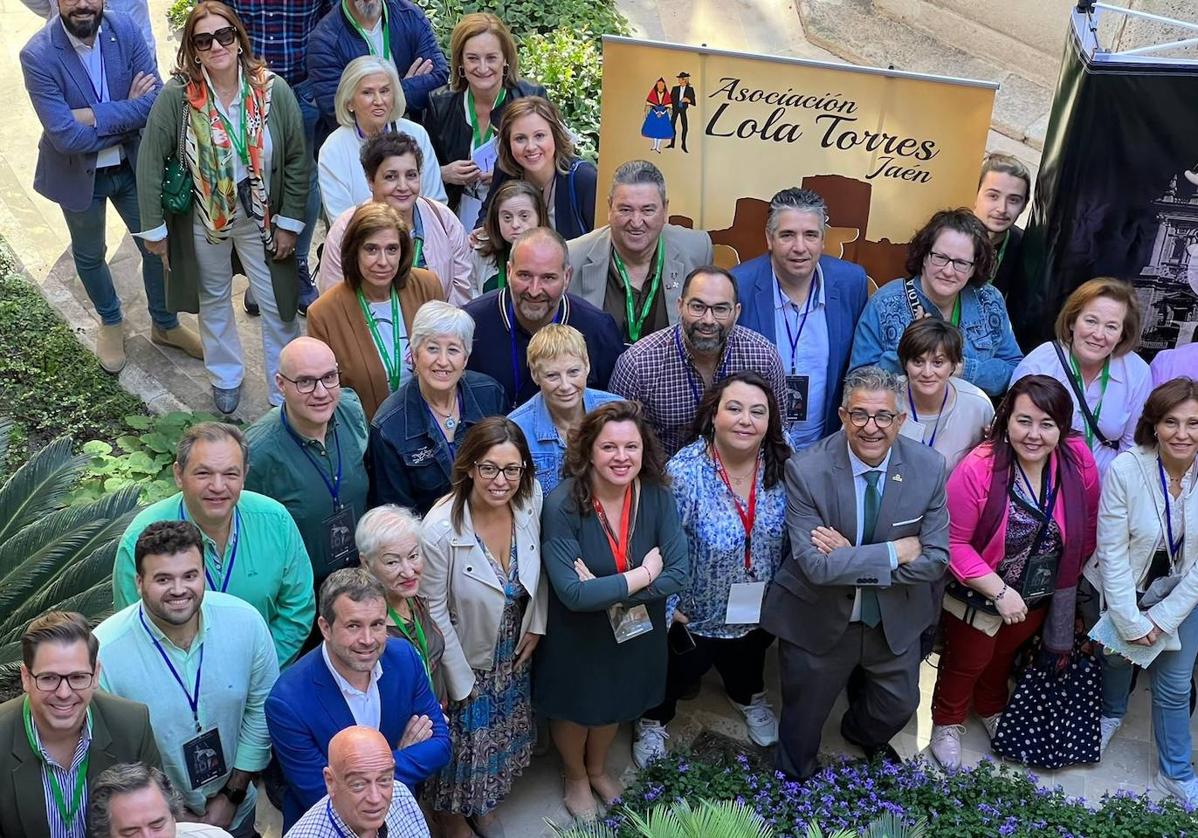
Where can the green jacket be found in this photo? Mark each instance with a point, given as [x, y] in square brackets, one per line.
[288, 190]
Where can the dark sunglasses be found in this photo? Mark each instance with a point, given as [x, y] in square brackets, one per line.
[225, 37]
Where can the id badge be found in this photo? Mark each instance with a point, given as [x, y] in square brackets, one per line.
[627, 623]
[339, 538]
[744, 603]
[204, 758]
[796, 397]
[1039, 577]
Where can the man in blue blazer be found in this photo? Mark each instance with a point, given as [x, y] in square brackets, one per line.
[93, 81]
[358, 676]
[807, 304]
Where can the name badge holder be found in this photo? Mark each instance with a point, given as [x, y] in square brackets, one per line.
[627, 621]
[797, 386]
[1040, 571]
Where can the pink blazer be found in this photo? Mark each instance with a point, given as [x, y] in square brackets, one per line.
[967, 490]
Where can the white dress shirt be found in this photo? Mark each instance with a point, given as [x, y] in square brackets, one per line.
[92, 58]
[366, 707]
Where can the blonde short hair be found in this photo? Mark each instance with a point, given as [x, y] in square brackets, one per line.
[351, 80]
[554, 341]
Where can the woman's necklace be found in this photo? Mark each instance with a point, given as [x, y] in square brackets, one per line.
[447, 417]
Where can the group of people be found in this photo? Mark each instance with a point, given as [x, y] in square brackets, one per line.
[529, 477]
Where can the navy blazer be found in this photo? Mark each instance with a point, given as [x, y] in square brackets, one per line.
[58, 83]
[305, 710]
[846, 290]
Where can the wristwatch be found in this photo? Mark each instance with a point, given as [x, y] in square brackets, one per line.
[235, 796]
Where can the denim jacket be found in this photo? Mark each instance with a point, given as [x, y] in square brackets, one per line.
[546, 446]
[408, 459]
[991, 352]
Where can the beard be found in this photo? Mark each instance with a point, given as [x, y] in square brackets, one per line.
[368, 8]
[707, 343]
[83, 29]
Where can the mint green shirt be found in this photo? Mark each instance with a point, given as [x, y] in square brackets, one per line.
[270, 571]
[239, 670]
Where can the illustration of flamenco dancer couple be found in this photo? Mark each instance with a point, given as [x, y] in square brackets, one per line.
[664, 107]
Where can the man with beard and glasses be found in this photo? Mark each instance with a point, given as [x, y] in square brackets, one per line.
[204, 663]
[137, 10]
[668, 371]
[358, 676]
[505, 320]
[93, 103]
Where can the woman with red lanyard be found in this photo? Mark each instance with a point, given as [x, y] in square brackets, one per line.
[613, 549]
[730, 495]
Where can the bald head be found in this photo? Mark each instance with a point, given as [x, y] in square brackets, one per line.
[543, 240]
[306, 365]
[360, 777]
[304, 351]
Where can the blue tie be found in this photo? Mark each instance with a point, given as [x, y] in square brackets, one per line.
[871, 615]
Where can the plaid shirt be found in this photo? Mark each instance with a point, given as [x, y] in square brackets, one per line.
[658, 372]
[279, 31]
[404, 819]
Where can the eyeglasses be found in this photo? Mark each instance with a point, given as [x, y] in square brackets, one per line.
[883, 418]
[939, 260]
[306, 384]
[489, 471]
[698, 308]
[224, 36]
[48, 682]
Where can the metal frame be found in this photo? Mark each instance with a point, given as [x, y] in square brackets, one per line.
[1086, 17]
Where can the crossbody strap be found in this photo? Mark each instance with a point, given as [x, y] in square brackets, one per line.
[918, 312]
[1091, 422]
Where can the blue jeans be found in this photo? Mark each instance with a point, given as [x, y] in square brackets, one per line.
[116, 184]
[1171, 673]
[303, 245]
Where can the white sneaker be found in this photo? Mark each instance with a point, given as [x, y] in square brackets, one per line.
[648, 742]
[946, 745]
[991, 724]
[1185, 791]
[1107, 727]
[760, 719]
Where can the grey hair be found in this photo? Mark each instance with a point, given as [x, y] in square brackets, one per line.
[354, 582]
[210, 432]
[382, 526]
[436, 319]
[794, 198]
[872, 379]
[126, 778]
[351, 78]
[635, 173]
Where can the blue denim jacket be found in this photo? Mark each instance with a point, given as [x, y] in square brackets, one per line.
[546, 446]
[991, 353]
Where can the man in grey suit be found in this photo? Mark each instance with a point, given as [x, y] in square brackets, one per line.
[869, 537]
[633, 267]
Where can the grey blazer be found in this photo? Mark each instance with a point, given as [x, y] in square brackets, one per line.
[811, 599]
[590, 256]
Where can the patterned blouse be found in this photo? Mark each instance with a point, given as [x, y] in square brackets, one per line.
[716, 539]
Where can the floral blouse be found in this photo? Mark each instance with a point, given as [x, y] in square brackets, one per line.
[716, 539]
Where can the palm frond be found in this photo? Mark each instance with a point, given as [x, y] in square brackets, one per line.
[39, 487]
[81, 576]
[891, 826]
[590, 830]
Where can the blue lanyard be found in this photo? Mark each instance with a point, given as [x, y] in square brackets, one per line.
[1174, 546]
[517, 363]
[936, 428]
[787, 305]
[719, 373]
[1046, 508]
[224, 586]
[328, 813]
[193, 701]
[334, 485]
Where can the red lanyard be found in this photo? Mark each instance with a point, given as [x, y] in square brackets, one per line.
[619, 550]
[747, 515]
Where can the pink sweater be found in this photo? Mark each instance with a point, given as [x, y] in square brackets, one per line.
[967, 490]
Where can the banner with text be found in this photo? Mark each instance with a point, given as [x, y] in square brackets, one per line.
[729, 130]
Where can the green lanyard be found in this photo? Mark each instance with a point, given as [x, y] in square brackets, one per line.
[956, 318]
[353, 21]
[473, 114]
[1081, 386]
[502, 275]
[67, 814]
[1002, 249]
[417, 252]
[418, 640]
[240, 144]
[391, 361]
[637, 322]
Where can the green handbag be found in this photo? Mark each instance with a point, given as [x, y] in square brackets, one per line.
[176, 179]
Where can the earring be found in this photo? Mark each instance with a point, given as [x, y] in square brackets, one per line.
[197, 61]
[504, 72]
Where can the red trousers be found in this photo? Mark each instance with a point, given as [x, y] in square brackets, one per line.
[975, 667]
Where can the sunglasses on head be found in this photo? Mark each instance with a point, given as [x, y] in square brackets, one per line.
[225, 37]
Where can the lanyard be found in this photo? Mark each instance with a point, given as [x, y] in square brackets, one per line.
[935, 428]
[619, 546]
[1045, 505]
[97, 89]
[636, 322]
[417, 251]
[1081, 388]
[391, 360]
[1002, 251]
[517, 361]
[334, 485]
[956, 317]
[1174, 546]
[473, 114]
[224, 585]
[67, 813]
[328, 813]
[417, 639]
[240, 142]
[193, 699]
[689, 379]
[353, 21]
[747, 514]
[502, 275]
[794, 337]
